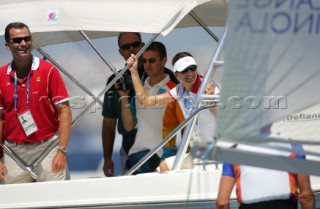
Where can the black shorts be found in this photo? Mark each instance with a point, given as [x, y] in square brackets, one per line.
[274, 204]
[149, 166]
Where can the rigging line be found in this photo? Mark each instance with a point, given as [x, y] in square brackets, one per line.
[66, 73]
[110, 84]
[111, 67]
[203, 25]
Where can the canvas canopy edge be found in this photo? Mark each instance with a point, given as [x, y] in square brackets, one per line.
[57, 21]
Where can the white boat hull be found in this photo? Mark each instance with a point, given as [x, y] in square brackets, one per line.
[184, 189]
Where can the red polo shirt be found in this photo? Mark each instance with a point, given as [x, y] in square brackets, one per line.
[47, 89]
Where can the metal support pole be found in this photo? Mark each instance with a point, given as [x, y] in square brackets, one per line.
[96, 98]
[47, 56]
[165, 140]
[46, 151]
[20, 162]
[113, 81]
[113, 69]
[187, 133]
[204, 26]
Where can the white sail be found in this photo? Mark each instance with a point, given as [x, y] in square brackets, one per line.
[92, 16]
[303, 125]
[271, 65]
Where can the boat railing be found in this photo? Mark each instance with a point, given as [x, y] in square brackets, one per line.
[171, 135]
[214, 64]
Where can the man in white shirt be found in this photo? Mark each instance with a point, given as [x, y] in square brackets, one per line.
[149, 120]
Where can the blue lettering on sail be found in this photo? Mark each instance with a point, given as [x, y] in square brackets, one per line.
[279, 16]
[262, 3]
[286, 22]
[309, 3]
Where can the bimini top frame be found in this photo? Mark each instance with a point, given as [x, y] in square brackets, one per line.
[59, 13]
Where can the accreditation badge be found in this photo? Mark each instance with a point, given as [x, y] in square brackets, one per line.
[27, 123]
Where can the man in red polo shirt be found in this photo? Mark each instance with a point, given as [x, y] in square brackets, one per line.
[33, 108]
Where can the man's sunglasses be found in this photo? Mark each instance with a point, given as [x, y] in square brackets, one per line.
[19, 39]
[192, 68]
[150, 60]
[128, 46]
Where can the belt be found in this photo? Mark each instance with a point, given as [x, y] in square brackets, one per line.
[29, 143]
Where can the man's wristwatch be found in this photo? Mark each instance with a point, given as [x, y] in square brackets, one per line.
[64, 150]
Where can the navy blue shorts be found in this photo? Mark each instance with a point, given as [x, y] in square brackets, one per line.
[147, 167]
[168, 152]
[274, 204]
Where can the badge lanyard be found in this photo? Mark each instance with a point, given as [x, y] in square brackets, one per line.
[15, 96]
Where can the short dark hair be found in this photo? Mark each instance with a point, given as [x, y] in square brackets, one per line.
[158, 47]
[179, 56]
[122, 33]
[18, 25]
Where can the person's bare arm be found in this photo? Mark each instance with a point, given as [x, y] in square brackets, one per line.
[60, 160]
[108, 137]
[306, 196]
[141, 93]
[225, 189]
[129, 120]
[210, 88]
[3, 171]
[3, 168]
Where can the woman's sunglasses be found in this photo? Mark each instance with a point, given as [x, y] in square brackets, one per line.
[191, 67]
